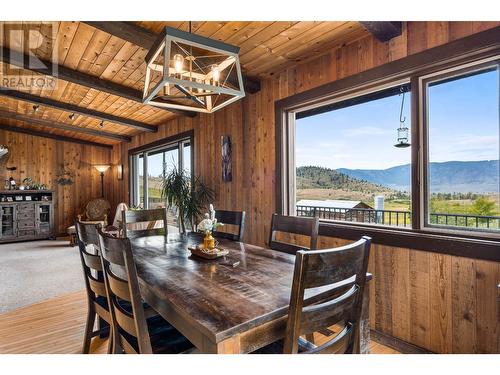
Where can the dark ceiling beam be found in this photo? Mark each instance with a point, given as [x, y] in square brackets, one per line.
[63, 138]
[22, 60]
[34, 120]
[144, 38]
[384, 30]
[47, 102]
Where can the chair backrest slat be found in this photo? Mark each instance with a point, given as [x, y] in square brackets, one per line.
[233, 218]
[87, 233]
[338, 345]
[97, 287]
[116, 254]
[125, 320]
[318, 316]
[305, 226]
[118, 286]
[91, 263]
[145, 221]
[331, 268]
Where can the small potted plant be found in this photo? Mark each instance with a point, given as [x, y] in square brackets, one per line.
[208, 225]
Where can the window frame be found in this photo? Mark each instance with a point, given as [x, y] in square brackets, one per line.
[291, 129]
[456, 55]
[177, 141]
[424, 81]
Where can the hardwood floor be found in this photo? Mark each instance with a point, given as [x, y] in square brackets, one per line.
[56, 326]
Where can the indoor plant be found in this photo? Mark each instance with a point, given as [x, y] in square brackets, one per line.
[188, 195]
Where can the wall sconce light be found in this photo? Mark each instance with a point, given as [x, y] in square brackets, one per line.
[119, 171]
[101, 168]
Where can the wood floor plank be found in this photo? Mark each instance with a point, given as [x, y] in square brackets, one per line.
[52, 326]
[56, 326]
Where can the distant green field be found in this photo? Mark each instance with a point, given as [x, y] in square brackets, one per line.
[482, 205]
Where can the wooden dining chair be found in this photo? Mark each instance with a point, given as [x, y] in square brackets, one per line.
[231, 218]
[306, 226]
[340, 275]
[142, 223]
[133, 332]
[94, 284]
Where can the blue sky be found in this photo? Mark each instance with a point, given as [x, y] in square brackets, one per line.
[155, 162]
[464, 125]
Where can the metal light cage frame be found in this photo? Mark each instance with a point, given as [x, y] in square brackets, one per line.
[163, 43]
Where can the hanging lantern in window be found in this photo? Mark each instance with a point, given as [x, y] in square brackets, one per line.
[190, 72]
[403, 132]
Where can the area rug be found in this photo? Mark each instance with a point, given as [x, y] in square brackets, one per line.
[34, 271]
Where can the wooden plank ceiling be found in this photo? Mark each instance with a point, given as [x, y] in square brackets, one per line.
[83, 50]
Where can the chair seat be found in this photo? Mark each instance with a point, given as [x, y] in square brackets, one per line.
[165, 339]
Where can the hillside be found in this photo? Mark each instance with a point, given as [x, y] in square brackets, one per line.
[314, 182]
[447, 177]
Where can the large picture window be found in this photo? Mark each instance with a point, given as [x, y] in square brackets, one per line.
[337, 158]
[462, 153]
[150, 164]
[349, 165]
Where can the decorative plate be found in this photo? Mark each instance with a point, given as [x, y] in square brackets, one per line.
[207, 254]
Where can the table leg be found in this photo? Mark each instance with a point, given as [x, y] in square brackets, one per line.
[228, 346]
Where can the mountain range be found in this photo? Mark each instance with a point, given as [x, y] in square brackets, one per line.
[447, 177]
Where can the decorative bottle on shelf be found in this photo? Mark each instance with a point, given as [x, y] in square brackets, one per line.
[12, 184]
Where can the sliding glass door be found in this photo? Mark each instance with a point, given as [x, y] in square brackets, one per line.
[149, 166]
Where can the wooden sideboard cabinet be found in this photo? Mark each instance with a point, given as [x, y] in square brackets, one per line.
[26, 215]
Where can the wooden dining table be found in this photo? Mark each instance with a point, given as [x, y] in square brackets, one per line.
[234, 304]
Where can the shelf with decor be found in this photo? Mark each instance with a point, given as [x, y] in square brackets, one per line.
[26, 215]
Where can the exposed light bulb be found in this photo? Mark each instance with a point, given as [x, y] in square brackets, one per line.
[72, 116]
[35, 108]
[215, 73]
[178, 63]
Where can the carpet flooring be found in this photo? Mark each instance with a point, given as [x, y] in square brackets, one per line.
[34, 271]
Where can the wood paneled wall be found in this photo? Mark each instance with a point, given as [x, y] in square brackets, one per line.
[42, 158]
[443, 303]
[440, 302]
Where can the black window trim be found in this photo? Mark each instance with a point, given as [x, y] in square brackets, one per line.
[161, 144]
[466, 51]
[463, 71]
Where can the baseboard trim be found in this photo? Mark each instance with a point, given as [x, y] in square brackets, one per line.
[397, 344]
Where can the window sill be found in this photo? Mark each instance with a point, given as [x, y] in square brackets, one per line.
[451, 244]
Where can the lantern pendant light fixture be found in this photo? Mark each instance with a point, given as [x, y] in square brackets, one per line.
[190, 72]
[402, 130]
